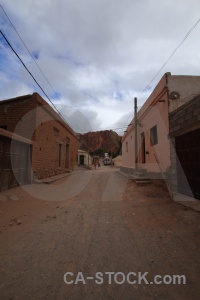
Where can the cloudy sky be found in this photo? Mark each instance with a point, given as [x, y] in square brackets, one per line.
[97, 55]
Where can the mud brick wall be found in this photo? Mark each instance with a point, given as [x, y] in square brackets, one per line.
[48, 136]
[12, 113]
[31, 117]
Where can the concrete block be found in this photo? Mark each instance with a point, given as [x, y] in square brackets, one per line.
[190, 108]
[177, 127]
[188, 116]
[196, 111]
[181, 120]
[192, 120]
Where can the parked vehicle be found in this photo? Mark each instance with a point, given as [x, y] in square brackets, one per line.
[106, 161]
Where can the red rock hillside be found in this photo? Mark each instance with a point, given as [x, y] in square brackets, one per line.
[102, 141]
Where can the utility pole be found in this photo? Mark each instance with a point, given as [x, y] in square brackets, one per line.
[136, 154]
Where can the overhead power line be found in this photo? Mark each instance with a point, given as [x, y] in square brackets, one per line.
[30, 54]
[55, 93]
[172, 54]
[40, 85]
[38, 67]
[32, 75]
[170, 57]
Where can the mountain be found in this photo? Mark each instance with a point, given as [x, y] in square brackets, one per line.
[100, 142]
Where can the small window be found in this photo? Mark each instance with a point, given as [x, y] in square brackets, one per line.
[154, 135]
[59, 154]
[126, 146]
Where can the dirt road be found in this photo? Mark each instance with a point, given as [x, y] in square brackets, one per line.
[96, 221]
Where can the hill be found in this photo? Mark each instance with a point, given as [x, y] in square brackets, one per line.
[100, 142]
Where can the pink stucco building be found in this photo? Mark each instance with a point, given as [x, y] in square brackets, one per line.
[153, 142]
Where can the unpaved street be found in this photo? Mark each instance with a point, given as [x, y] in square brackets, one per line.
[96, 221]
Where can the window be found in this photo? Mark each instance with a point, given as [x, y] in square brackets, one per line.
[154, 135]
[126, 146]
[59, 154]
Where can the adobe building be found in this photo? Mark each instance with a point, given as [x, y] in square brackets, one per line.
[34, 136]
[146, 150]
[84, 158]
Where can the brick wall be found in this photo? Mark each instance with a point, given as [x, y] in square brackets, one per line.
[48, 136]
[185, 119]
[30, 116]
[12, 113]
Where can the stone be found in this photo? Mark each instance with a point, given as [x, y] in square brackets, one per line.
[13, 197]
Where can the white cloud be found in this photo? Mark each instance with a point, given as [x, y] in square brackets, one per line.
[97, 56]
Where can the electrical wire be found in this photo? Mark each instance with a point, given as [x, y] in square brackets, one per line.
[172, 54]
[39, 84]
[170, 57]
[55, 93]
[32, 75]
[39, 68]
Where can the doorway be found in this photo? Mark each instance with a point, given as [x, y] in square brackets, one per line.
[67, 165]
[82, 160]
[188, 163]
[143, 148]
[14, 163]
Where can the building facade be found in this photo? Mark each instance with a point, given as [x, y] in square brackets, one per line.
[84, 158]
[54, 143]
[153, 141]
